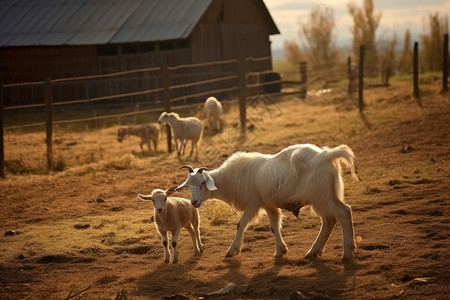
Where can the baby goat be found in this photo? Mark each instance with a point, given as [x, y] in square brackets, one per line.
[147, 133]
[172, 214]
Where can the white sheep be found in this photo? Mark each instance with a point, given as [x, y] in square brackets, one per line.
[183, 129]
[172, 214]
[147, 133]
[297, 176]
[213, 111]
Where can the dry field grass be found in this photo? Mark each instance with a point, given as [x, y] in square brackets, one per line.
[84, 229]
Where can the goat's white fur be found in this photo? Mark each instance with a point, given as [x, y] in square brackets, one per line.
[172, 214]
[183, 129]
[147, 133]
[297, 176]
[213, 111]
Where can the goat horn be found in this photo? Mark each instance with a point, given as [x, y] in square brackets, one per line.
[187, 167]
[200, 170]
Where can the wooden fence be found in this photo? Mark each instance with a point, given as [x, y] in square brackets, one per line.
[238, 80]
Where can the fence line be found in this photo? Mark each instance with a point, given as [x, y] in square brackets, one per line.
[173, 87]
[311, 74]
[24, 84]
[26, 125]
[116, 74]
[220, 62]
[258, 58]
[104, 117]
[23, 106]
[240, 79]
[109, 97]
[204, 93]
[171, 75]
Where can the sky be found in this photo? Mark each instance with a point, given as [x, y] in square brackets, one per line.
[397, 16]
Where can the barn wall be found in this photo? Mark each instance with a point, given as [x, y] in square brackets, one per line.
[29, 64]
[141, 81]
[22, 64]
[230, 25]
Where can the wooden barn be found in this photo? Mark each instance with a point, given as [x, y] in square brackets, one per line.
[42, 39]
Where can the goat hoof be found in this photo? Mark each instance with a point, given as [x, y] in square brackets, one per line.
[231, 253]
[280, 253]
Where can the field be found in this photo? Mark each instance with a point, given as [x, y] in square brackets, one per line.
[82, 233]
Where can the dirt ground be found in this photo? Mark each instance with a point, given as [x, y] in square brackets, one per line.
[83, 234]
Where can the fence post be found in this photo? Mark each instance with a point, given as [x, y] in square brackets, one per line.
[2, 152]
[242, 69]
[445, 65]
[303, 79]
[361, 78]
[416, 70]
[48, 122]
[166, 86]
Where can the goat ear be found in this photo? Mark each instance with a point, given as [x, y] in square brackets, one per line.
[210, 183]
[171, 190]
[145, 197]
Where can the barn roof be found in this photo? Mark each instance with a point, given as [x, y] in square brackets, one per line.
[97, 22]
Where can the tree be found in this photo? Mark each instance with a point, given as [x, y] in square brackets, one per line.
[431, 43]
[365, 24]
[292, 52]
[406, 59]
[387, 56]
[319, 38]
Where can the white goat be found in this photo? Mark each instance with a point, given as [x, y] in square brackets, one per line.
[172, 214]
[147, 133]
[183, 129]
[297, 176]
[213, 111]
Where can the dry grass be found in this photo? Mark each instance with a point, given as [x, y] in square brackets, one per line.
[84, 226]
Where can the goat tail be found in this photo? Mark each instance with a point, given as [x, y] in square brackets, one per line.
[341, 154]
